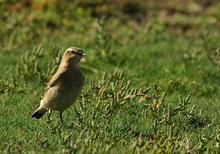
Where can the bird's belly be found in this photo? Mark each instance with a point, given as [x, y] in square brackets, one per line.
[64, 102]
[61, 98]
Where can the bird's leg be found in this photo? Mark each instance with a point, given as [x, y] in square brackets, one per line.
[49, 114]
[61, 117]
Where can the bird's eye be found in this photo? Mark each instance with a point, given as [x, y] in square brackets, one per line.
[73, 52]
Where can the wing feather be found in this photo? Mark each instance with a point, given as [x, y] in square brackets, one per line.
[54, 81]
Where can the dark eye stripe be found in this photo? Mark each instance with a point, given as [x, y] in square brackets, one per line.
[80, 52]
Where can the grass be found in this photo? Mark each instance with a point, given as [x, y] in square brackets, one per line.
[152, 77]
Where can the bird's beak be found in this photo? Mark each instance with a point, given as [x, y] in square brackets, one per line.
[83, 54]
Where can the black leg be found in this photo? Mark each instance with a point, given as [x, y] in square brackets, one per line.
[61, 117]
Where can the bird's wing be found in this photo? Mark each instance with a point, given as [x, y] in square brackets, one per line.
[54, 81]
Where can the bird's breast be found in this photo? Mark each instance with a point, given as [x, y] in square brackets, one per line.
[73, 83]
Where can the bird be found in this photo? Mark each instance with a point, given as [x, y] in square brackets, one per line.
[64, 87]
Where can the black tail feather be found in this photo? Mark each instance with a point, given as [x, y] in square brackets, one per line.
[37, 115]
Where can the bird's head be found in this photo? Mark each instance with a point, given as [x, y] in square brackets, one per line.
[73, 55]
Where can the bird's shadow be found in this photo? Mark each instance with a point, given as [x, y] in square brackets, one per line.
[56, 125]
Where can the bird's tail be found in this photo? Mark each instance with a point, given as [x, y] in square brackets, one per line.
[39, 113]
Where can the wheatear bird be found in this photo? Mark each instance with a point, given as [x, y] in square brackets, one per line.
[65, 86]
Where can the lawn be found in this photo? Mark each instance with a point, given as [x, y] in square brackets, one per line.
[152, 76]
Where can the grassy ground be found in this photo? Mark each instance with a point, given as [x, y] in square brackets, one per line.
[152, 76]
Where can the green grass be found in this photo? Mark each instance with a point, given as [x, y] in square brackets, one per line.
[152, 76]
